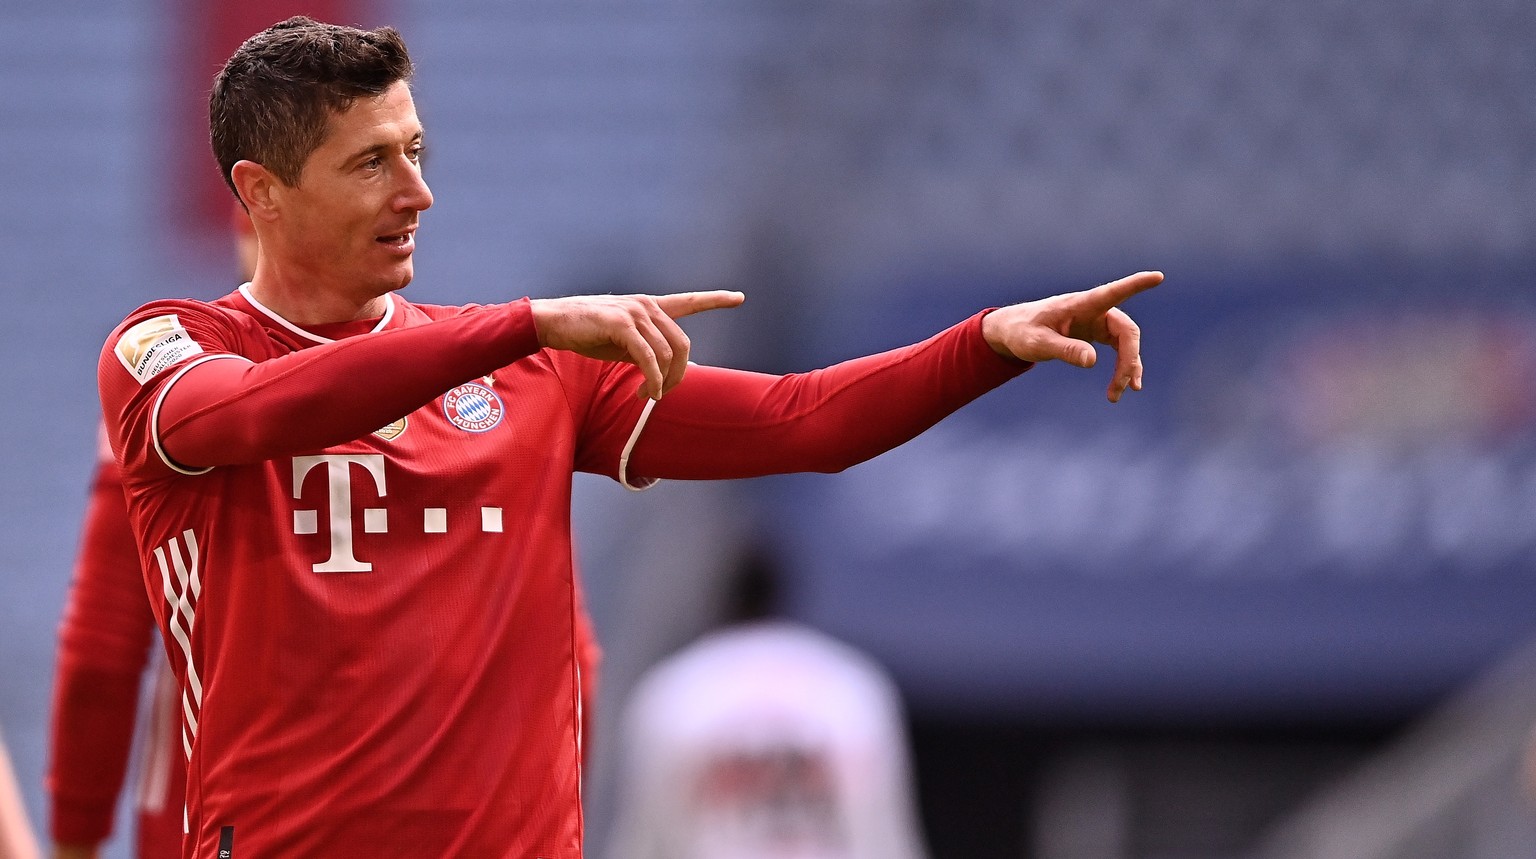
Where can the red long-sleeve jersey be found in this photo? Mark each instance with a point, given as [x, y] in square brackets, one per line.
[104, 647]
[368, 599]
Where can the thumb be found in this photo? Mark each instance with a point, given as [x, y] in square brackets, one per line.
[1059, 347]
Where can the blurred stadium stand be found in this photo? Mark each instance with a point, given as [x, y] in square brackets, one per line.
[77, 205]
[1458, 786]
[1328, 517]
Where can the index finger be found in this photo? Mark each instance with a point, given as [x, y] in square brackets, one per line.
[680, 304]
[1101, 298]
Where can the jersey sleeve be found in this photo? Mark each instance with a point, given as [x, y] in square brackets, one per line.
[604, 409]
[104, 640]
[721, 423]
[172, 405]
[143, 358]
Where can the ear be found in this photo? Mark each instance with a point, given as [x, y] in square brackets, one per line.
[257, 188]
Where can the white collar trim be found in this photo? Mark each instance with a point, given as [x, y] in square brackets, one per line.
[245, 290]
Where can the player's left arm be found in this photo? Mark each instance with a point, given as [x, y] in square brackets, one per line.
[722, 423]
[1065, 327]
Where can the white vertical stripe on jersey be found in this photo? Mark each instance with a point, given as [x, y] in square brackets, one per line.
[182, 606]
[191, 588]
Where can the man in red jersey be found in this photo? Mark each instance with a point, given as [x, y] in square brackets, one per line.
[356, 510]
[104, 647]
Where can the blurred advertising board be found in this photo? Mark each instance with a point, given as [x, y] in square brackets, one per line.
[1316, 507]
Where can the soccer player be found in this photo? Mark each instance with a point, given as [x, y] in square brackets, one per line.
[104, 646]
[356, 509]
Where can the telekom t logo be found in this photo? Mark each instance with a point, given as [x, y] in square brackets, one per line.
[338, 481]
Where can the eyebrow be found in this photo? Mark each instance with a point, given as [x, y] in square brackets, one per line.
[380, 148]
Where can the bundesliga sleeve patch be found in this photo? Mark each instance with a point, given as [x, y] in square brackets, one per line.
[151, 346]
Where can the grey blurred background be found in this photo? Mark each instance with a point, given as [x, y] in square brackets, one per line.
[1277, 605]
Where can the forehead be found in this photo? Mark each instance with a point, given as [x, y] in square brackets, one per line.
[389, 117]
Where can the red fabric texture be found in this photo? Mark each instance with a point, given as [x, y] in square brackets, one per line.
[728, 423]
[225, 412]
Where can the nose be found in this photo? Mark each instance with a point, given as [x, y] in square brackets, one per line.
[413, 195]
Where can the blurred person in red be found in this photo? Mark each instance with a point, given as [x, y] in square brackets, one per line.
[104, 648]
[765, 739]
[355, 510]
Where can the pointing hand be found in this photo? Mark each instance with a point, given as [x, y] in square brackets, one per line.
[637, 329]
[1065, 327]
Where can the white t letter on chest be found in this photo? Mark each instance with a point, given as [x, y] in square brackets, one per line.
[339, 480]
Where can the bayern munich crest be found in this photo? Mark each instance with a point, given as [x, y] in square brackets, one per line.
[472, 407]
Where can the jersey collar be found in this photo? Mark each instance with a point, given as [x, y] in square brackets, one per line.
[245, 293]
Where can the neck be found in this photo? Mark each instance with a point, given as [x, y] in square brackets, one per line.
[311, 306]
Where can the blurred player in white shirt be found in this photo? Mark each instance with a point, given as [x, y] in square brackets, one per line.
[766, 740]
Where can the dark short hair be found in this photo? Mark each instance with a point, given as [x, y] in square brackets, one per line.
[273, 100]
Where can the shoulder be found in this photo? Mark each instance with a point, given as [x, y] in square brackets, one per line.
[162, 333]
[415, 313]
[157, 316]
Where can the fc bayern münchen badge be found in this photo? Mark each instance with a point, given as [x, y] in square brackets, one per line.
[472, 407]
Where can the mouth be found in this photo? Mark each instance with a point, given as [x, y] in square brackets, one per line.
[404, 241]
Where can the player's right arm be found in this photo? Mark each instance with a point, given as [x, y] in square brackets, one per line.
[181, 392]
[166, 391]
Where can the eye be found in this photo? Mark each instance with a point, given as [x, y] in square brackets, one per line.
[416, 153]
[373, 163]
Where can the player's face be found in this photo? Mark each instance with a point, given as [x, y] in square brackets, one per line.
[359, 198]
